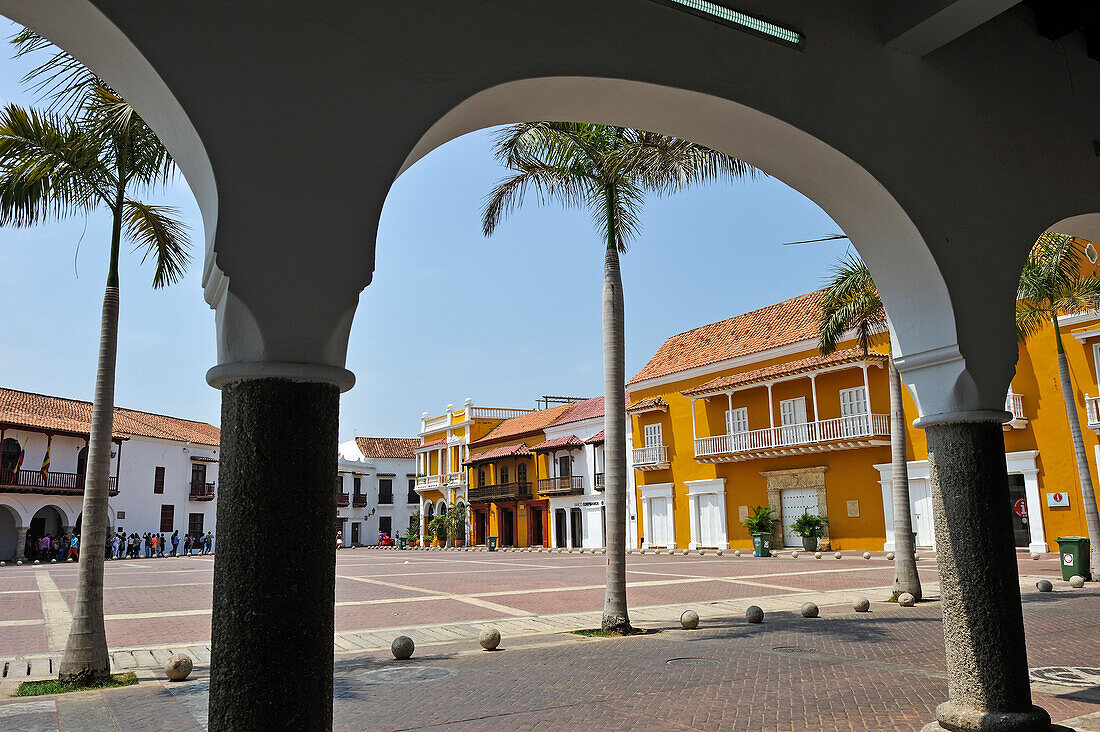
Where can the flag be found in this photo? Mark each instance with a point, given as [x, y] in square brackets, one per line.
[45, 469]
[19, 460]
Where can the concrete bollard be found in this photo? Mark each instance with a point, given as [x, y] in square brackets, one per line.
[689, 619]
[809, 610]
[866, 555]
[489, 638]
[1035, 556]
[718, 553]
[861, 605]
[685, 552]
[178, 667]
[838, 555]
[890, 556]
[736, 552]
[817, 555]
[1077, 581]
[794, 555]
[402, 647]
[1044, 586]
[906, 600]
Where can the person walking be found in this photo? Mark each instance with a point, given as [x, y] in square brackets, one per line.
[147, 543]
[175, 543]
[74, 548]
[208, 542]
[187, 545]
[161, 548]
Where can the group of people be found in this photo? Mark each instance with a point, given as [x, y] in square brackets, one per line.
[152, 544]
[47, 547]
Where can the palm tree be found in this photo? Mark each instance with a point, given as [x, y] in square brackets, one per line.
[607, 170]
[89, 150]
[1051, 284]
[852, 302]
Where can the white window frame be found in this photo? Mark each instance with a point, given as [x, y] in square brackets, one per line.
[653, 436]
[855, 423]
[795, 432]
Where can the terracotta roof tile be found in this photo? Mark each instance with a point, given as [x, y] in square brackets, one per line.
[813, 363]
[648, 404]
[433, 443]
[525, 424]
[558, 443]
[402, 448]
[42, 412]
[781, 324]
[587, 409]
[596, 439]
[519, 450]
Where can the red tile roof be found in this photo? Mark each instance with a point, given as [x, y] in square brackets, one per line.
[779, 370]
[595, 439]
[402, 448]
[647, 405]
[558, 443]
[501, 451]
[525, 424]
[50, 413]
[433, 443]
[587, 409]
[781, 324]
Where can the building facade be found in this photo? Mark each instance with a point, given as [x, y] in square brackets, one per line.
[376, 488]
[164, 470]
[745, 412]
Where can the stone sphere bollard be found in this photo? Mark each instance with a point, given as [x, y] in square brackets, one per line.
[809, 610]
[53, 561]
[689, 619]
[890, 556]
[905, 599]
[736, 552]
[603, 551]
[70, 559]
[817, 555]
[1044, 586]
[640, 551]
[19, 563]
[861, 605]
[489, 638]
[178, 667]
[3, 564]
[1035, 556]
[916, 557]
[794, 555]
[866, 555]
[718, 553]
[702, 553]
[754, 614]
[838, 555]
[1077, 581]
[402, 647]
[37, 562]
[685, 552]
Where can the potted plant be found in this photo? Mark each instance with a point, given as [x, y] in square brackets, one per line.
[438, 528]
[810, 528]
[760, 524]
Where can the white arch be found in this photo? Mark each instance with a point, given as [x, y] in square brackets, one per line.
[1085, 226]
[19, 508]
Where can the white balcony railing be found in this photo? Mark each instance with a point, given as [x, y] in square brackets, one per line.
[827, 430]
[1014, 405]
[497, 413]
[429, 481]
[436, 423]
[654, 455]
[1092, 408]
[455, 478]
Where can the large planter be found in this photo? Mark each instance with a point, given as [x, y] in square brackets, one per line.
[761, 545]
[809, 543]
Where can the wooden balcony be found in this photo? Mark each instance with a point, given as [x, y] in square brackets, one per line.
[654, 457]
[569, 485]
[201, 492]
[841, 433]
[597, 481]
[501, 492]
[359, 501]
[55, 483]
[342, 499]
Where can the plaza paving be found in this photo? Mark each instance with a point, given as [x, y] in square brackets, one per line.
[879, 670]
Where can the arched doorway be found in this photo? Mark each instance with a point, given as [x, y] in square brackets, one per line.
[9, 458]
[9, 534]
[47, 521]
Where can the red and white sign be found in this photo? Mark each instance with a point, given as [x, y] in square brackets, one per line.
[1067, 559]
[1057, 499]
[1019, 507]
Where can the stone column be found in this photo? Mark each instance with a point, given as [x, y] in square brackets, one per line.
[271, 656]
[982, 619]
[21, 543]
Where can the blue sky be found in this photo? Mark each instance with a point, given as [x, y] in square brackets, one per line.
[527, 323]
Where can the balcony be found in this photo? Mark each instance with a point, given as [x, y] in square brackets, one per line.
[359, 500]
[342, 499]
[568, 485]
[1092, 408]
[500, 492]
[497, 413]
[840, 433]
[63, 484]
[597, 481]
[201, 492]
[654, 457]
[1014, 405]
[429, 482]
[456, 478]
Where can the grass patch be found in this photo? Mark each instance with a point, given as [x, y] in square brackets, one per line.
[53, 686]
[601, 633]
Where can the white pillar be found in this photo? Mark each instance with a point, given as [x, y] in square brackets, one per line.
[771, 408]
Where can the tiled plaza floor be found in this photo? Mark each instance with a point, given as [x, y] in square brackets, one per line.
[882, 670]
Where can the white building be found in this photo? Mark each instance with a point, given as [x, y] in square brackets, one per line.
[164, 470]
[376, 488]
[574, 448]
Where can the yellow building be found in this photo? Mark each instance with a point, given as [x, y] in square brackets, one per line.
[744, 413]
[445, 442]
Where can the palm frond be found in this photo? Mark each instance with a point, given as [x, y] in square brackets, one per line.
[61, 79]
[548, 182]
[851, 302]
[163, 236]
[1030, 319]
[667, 164]
[1084, 295]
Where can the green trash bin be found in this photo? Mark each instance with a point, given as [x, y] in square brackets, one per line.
[761, 545]
[492, 543]
[402, 542]
[1074, 551]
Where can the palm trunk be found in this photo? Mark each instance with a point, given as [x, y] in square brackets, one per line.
[86, 656]
[1084, 473]
[906, 578]
[615, 616]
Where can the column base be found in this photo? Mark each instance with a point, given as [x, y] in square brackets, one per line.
[952, 718]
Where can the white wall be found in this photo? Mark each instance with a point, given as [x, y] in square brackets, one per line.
[370, 472]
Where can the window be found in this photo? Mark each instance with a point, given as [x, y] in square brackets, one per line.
[653, 435]
[481, 478]
[413, 498]
[158, 480]
[503, 475]
[385, 525]
[121, 514]
[521, 473]
[356, 485]
[792, 415]
[194, 523]
[385, 490]
[565, 466]
[339, 483]
[853, 412]
[198, 474]
[9, 455]
[167, 518]
[737, 420]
